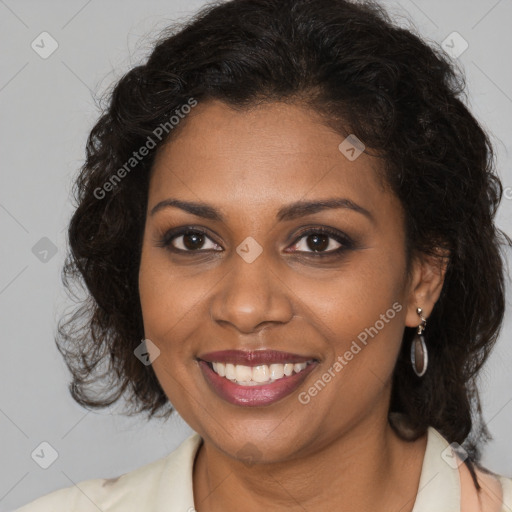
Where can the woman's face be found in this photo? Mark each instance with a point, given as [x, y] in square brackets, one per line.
[256, 274]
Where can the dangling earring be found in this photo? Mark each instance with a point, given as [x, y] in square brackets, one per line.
[419, 353]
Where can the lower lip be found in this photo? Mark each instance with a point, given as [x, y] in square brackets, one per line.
[253, 396]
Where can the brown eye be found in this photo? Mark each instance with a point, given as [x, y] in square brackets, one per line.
[190, 241]
[193, 240]
[317, 242]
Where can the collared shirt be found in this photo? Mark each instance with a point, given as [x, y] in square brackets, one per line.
[165, 485]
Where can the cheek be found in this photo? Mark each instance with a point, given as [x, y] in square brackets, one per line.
[363, 329]
[360, 314]
[175, 315]
[355, 296]
[167, 298]
[169, 308]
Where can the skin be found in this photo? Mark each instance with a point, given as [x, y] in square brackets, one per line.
[249, 164]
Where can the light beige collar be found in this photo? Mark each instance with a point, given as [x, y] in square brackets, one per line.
[439, 486]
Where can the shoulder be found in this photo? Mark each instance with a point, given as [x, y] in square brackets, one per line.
[93, 495]
[495, 494]
[451, 486]
[506, 486]
[136, 490]
[85, 496]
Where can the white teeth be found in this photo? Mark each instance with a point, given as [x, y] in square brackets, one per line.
[230, 371]
[253, 375]
[288, 369]
[221, 369]
[261, 373]
[243, 373]
[276, 371]
[297, 367]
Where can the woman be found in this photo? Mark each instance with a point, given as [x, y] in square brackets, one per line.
[292, 208]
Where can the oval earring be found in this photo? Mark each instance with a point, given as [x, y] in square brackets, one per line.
[419, 352]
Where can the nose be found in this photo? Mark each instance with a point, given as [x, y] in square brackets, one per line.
[251, 296]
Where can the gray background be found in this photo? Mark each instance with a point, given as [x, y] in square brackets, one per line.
[47, 110]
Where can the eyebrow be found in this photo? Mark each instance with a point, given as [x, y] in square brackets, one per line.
[289, 212]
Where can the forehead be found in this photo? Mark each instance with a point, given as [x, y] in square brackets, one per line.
[266, 156]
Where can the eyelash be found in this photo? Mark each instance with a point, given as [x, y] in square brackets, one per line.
[345, 241]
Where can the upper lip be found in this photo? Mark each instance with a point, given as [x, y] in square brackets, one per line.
[254, 357]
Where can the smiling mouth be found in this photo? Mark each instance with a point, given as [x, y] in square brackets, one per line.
[257, 375]
[254, 377]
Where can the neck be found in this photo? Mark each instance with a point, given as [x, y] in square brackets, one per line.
[367, 465]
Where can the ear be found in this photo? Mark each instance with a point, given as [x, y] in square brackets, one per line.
[425, 285]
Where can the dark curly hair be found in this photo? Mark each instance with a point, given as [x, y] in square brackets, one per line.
[364, 75]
